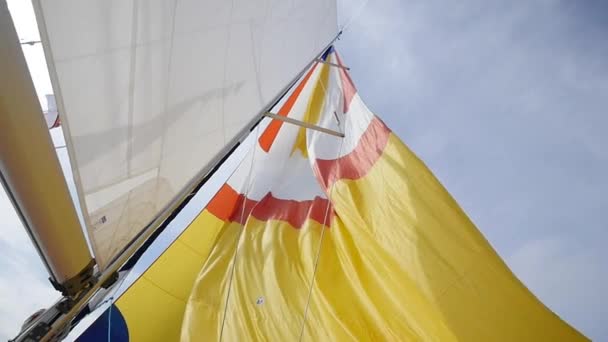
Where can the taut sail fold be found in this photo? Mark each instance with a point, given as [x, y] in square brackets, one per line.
[152, 92]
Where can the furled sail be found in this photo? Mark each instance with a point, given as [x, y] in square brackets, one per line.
[321, 238]
[152, 92]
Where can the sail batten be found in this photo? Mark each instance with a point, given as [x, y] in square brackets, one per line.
[165, 87]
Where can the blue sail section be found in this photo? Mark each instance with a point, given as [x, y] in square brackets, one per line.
[110, 326]
[327, 52]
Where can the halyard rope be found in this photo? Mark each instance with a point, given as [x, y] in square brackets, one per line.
[325, 221]
[236, 250]
[355, 15]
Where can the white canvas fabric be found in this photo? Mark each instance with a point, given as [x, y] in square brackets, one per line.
[149, 92]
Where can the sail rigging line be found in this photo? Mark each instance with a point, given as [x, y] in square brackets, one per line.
[248, 182]
[355, 15]
[29, 42]
[333, 64]
[228, 37]
[111, 300]
[110, 321]
[166, 92]
[325, 219]
[120, 217]
[132, 67]
[318, 256]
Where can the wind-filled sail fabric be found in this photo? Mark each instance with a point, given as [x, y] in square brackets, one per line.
[150, 92]
[321, 238]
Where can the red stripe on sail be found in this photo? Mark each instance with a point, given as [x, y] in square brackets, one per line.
[271, 132]
[360, 160]
[228, 205]
[293, 212]
[348, 87]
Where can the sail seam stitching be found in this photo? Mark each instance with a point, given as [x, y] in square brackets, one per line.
[132, 62]
[167, 88]
[226, 49]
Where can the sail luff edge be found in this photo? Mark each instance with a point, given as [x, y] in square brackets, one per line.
[65, 126]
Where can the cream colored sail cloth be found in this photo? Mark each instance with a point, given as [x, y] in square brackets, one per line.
[149, 92]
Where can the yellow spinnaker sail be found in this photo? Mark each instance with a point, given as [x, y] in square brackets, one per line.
[398, 259]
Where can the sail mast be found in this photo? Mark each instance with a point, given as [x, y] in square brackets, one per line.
[31, 174]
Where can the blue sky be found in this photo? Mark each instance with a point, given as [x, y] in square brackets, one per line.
[505, 101]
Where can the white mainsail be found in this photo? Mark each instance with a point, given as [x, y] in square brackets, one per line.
[151, 92]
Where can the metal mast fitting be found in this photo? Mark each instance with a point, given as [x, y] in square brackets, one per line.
[304, 124]
[31, 174]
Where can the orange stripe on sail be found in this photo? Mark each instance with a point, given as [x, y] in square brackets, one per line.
[223, 203]
[271, 132]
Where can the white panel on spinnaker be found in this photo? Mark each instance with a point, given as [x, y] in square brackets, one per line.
[149, 92]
